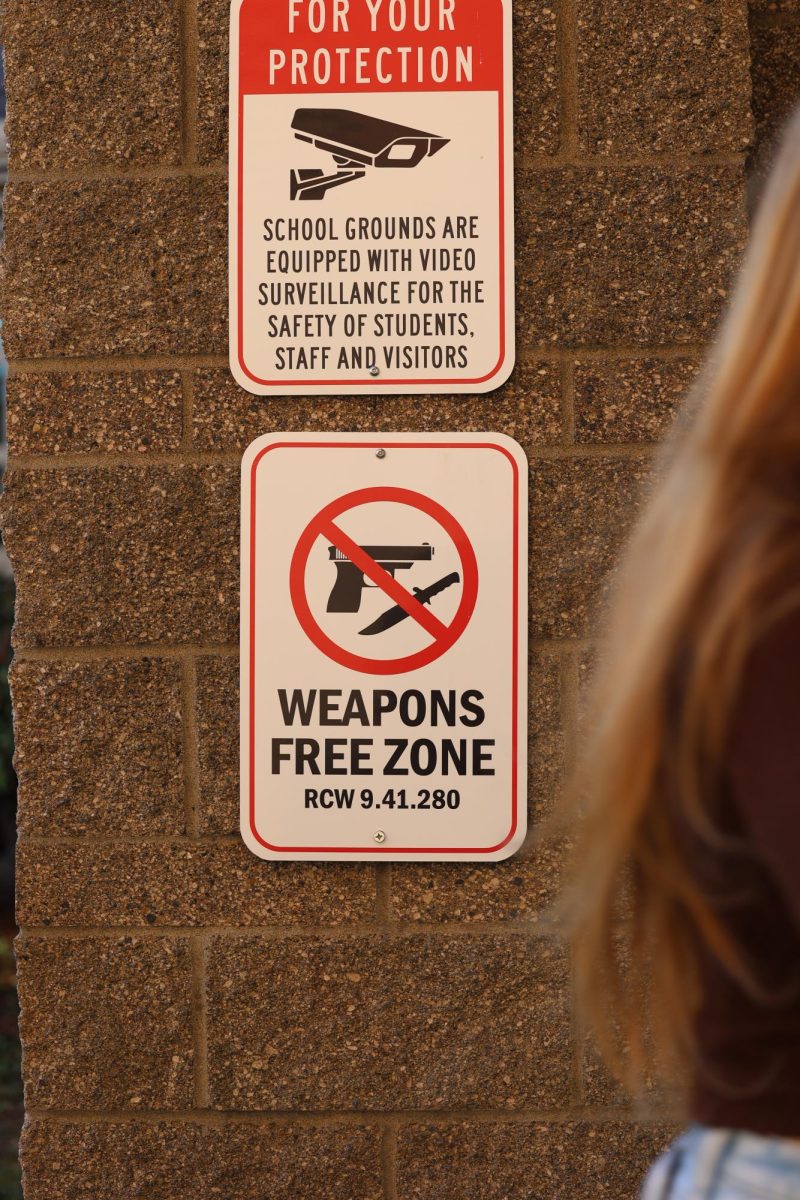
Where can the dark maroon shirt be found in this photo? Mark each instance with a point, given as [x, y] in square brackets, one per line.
[748, 1073]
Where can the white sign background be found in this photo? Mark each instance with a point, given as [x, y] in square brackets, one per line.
[481, 479]
[470, 177]
[452, 183]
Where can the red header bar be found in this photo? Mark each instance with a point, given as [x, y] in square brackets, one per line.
[302, 46]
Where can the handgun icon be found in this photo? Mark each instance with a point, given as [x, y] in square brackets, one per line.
[350, 581]
[356, 142]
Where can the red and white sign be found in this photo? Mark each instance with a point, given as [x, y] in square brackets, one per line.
[384, 646]
[371, 196]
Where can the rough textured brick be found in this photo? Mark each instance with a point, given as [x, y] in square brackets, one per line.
[517, 890]
[384, 1023]
[582, 509]
[536, 79]
[137, 411]
[106, 1023]
[550, 718]
[213, 17]
[184, 884]
[600, 1088]
[99, 747]
[126, 555]
[93, 81]
[115, 267]
[618, 255]
[548, 722]
[547, 769]
[527, 1161]
[218, 743]
[77, 1161]
[630, 399]
[776, 81]
[528, 408]
[662, 76]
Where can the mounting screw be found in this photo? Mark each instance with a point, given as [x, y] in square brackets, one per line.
[379, 836]
[374, 372]
[381, 454]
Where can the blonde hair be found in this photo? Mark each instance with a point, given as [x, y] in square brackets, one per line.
[700, 582]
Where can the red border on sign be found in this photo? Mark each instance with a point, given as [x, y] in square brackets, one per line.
[371, 383]
[446, 637]
[251, 739]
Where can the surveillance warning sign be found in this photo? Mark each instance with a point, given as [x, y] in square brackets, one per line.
[371, 196]
[384, 647]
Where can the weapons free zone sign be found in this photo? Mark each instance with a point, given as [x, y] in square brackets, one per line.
[371, 196]
[384, 646]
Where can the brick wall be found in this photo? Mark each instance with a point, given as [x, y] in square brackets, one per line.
[775, 49]
[197, 1023]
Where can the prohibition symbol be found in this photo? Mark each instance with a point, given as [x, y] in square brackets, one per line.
[405, 603]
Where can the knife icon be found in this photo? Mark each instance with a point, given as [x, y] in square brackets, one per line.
[393, 616]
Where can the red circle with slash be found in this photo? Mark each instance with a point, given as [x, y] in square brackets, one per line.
[324, 525]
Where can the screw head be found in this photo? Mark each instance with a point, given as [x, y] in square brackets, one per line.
[379, 836]
[374, 372]
[381, 454]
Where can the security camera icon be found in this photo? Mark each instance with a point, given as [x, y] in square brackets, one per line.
[357, 142]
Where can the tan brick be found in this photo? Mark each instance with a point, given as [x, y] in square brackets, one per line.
[544, 690]
[548, 723]
[184, 884]
[630, 399]
[92, 83]
[115, 267]
[517, 890]
[124, 555]
[80, 1161]
[213, 19]
[106, 1023]
[528, 408]
[600, 1088]
[530, 1161]
[76, 413]
[661, 76]
[626, 255]
[536, 100]
[776, 81]
[218, 743]
[550, 719]
[99, 747]
[251, 1162]
[385, 1023]
[547, 769]
[582, 510]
